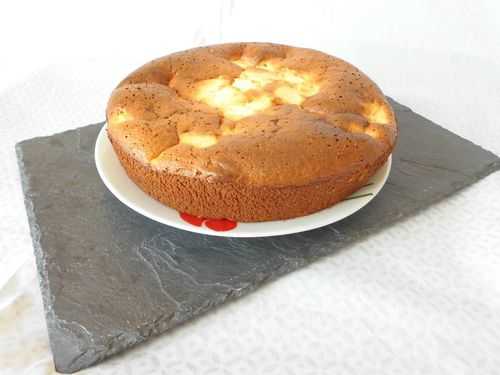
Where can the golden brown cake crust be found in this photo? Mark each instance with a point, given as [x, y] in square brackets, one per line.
[250, 131]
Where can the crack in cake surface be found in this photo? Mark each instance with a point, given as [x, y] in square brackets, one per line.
[257, 88]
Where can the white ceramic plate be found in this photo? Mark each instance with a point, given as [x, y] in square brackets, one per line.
[117, 181]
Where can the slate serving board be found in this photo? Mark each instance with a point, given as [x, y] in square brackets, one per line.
[111, 278]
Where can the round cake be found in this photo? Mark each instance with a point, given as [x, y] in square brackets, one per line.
[250, 131]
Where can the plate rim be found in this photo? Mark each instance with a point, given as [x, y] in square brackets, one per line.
[100, 143]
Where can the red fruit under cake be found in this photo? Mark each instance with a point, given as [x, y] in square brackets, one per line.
[250, 131]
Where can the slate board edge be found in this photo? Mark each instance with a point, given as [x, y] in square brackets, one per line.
[164, 323]
[50, 318]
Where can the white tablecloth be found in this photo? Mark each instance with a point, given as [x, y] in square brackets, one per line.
[422, 297]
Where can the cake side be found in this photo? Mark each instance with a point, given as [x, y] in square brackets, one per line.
[243, 203]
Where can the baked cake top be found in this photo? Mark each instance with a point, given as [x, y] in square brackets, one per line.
[253, 113]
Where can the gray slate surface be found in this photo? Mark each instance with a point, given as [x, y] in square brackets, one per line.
[111, 278]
